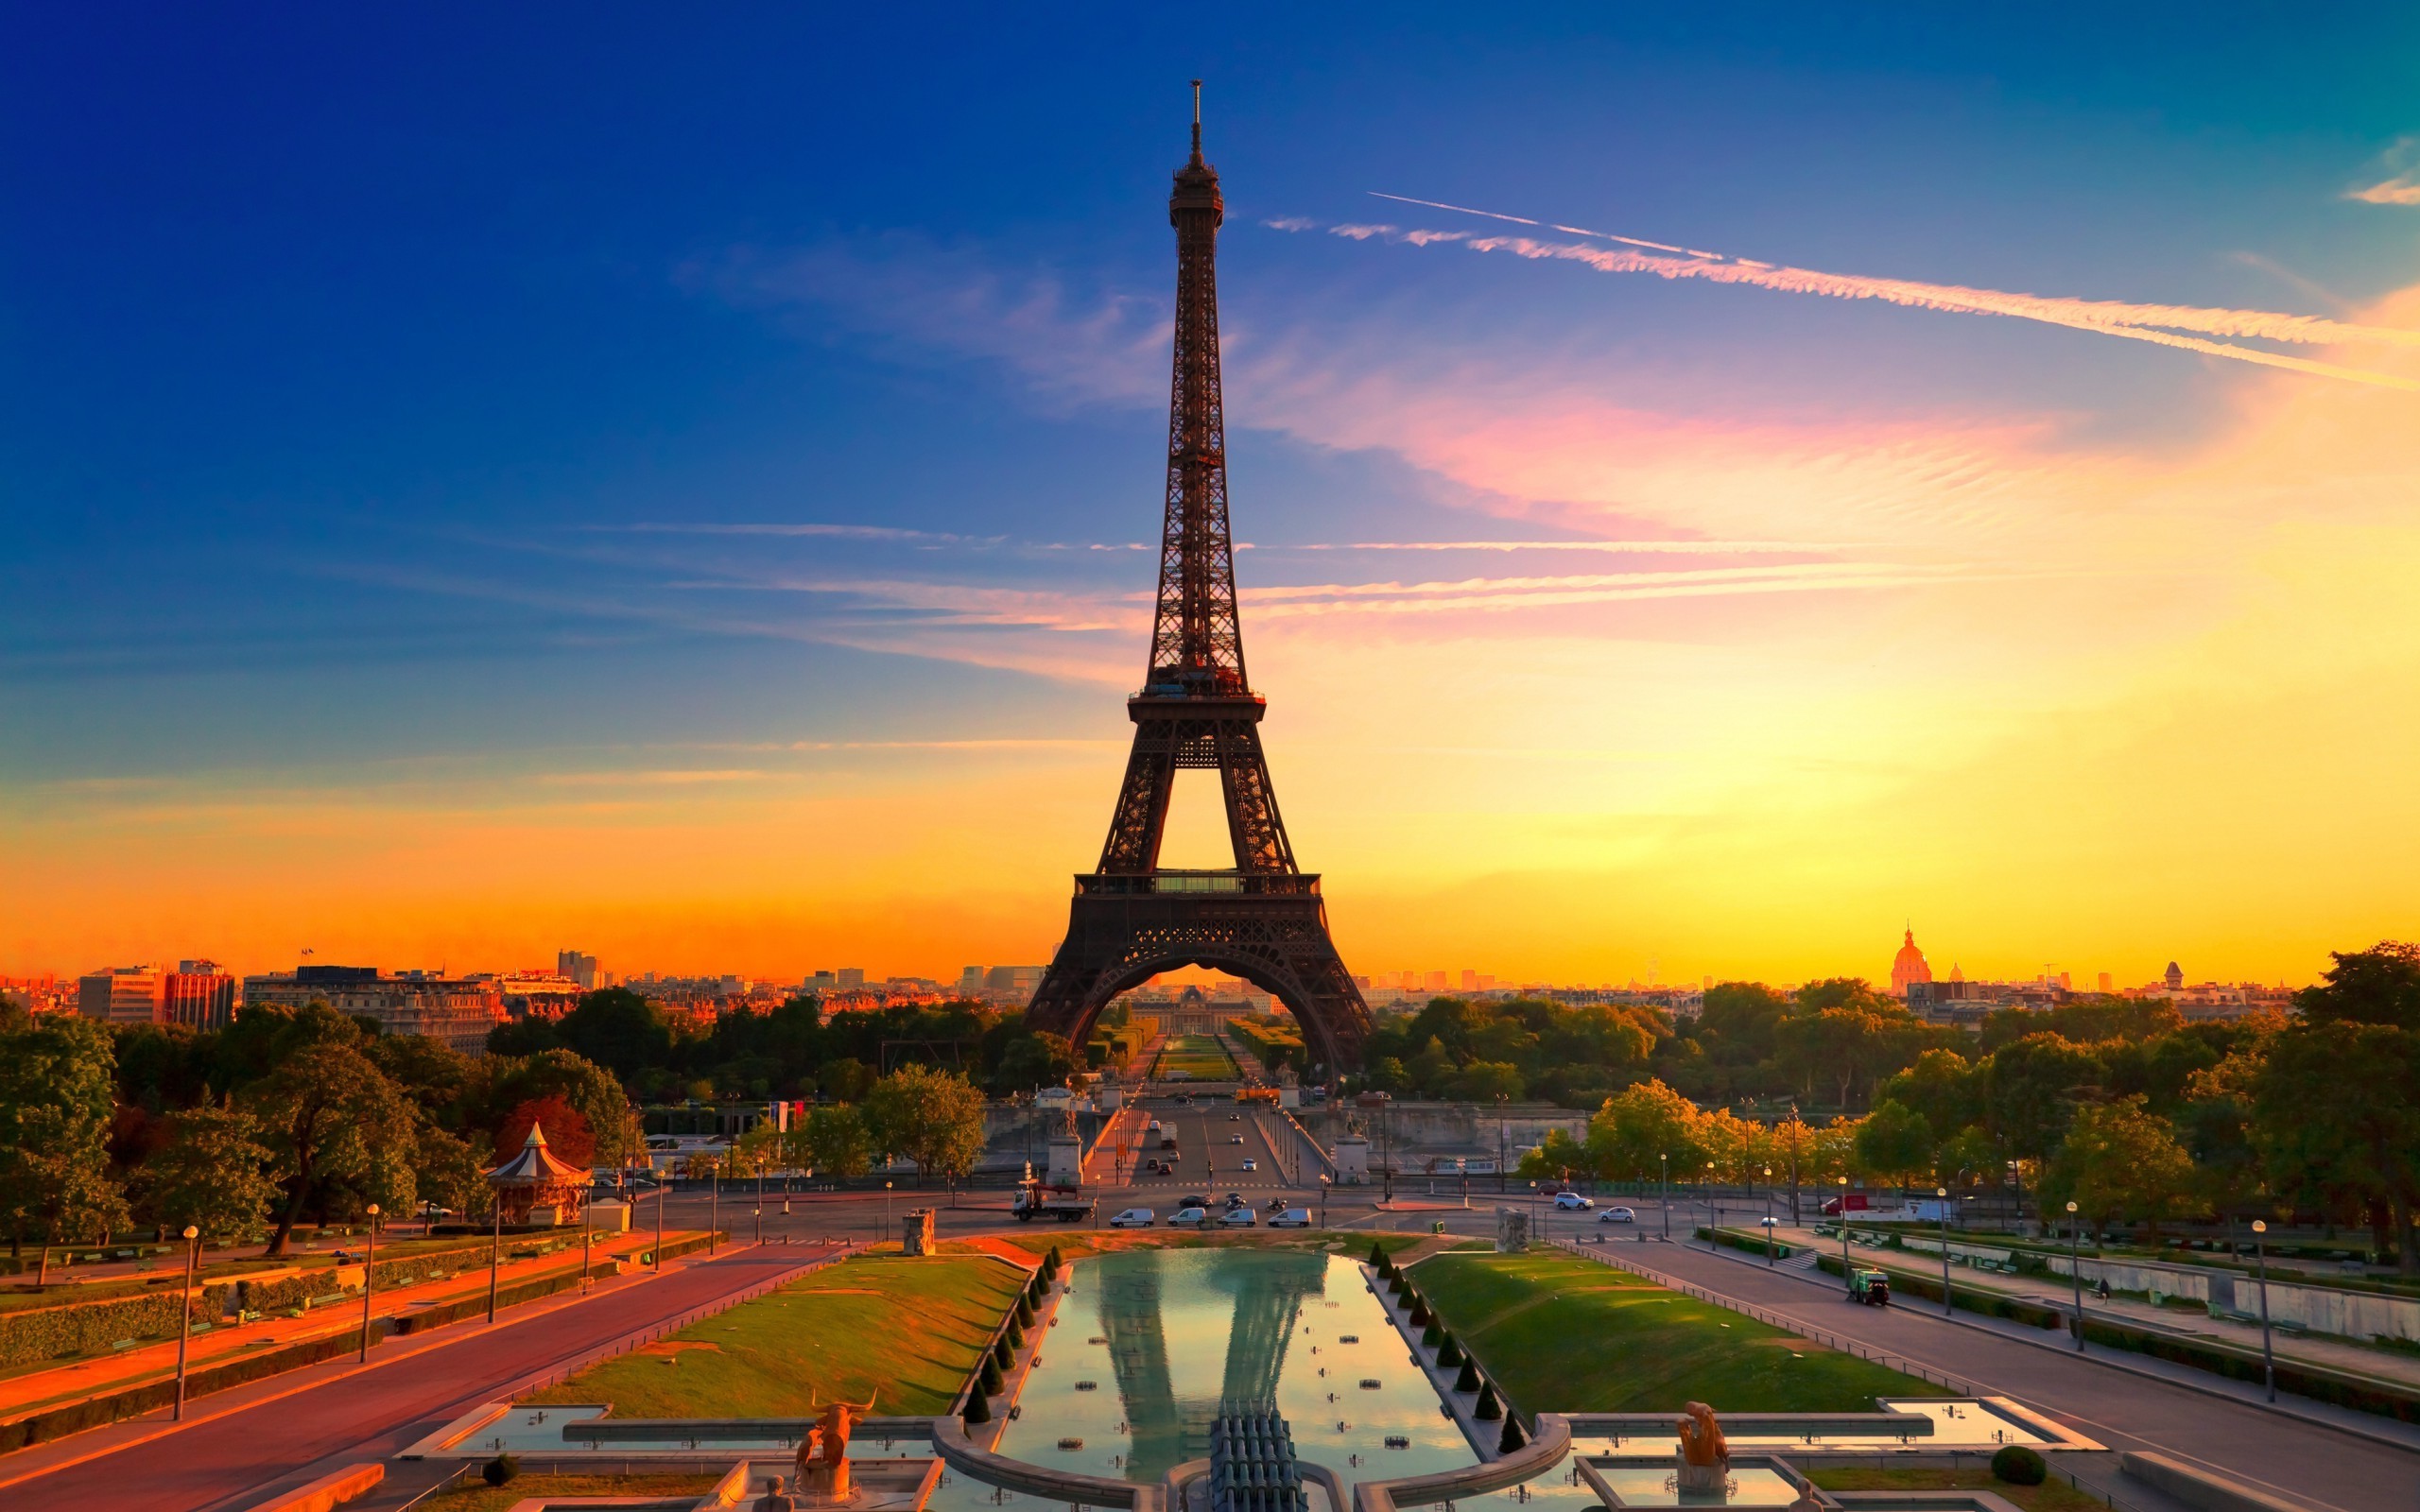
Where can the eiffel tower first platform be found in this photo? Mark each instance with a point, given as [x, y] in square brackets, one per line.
[1132, 918]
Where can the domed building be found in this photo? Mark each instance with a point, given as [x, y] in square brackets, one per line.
[1909, 966]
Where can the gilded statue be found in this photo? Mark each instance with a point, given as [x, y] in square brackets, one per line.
[823, 1463]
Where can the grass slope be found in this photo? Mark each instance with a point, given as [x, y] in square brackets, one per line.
[477, 1496]
[1563, 1334]
[1198, 1055]
[904, 1331]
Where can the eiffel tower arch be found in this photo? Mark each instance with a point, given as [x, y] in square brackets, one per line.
[1263, 920]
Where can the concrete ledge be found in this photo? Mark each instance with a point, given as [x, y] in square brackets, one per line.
[715, 1430]
[1528, 1463]
[1756, 1424]
[2199, 1487]
[959, 1453]
[328, 1491]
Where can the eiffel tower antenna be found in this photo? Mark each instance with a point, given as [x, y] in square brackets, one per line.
[1264, 920]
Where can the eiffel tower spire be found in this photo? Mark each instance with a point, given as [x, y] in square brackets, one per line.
[1264, 920]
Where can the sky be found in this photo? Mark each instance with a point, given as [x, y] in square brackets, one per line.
[478, 483]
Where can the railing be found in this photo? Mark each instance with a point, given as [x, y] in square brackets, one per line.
[1253, 884]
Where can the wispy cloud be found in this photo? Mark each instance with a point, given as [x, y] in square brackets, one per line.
[2160, 324]
[1624, 548]
[2402, 184]
[842, 532]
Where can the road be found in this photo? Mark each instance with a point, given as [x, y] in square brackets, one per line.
[243, 1445]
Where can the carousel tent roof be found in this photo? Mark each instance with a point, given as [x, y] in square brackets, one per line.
[536, 1165]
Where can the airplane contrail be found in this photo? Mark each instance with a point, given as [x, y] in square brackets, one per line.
[2157, 324]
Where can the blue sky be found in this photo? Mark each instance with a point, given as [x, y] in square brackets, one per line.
[382, 386]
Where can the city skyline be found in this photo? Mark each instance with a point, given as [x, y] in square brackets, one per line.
[720, 540]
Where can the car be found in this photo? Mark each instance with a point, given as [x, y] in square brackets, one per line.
[1189, 1200]
[1290, 1218]
[1234, 1138]
[1241, 1218]
[1152, 1128]
[432, 1212]
[1134, 1218]
[1617, 1215]
[1189, 1218]
[344, 1257]
[1250, 1164]
[1235, 1200]
[1572, 1202]
[1234, 1118]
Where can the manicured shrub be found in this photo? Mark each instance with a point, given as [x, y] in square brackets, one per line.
[500, 1470]
[988, 1382]
[1001, 1357]
[1448, 1354]
[1468, 1379]
[2019, 1466]
[1015, 1338]
[1489, 1408]
[1052, 1265]
[1514, 1438]
[1025, 1312]
[977, 1410]
[1378, 1258]
[1432, 1336]
[1421, 1316]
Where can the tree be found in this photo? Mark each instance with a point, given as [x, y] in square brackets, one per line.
[1644, 1129]
[333, 1118]
[2379, 985]
[210, 1174]
[2337, 1117]
[1483, 1081]
[1033, 1060]
[58, 1088]
[618, 1030]
[566, 1129]
[835, 1141]
[2030, 1089]
[2122, 1162]
[503, 1083]
[1896, 1142]
[933, 1117]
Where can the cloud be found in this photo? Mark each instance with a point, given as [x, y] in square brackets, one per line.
[2403, 189]
[2157, 323]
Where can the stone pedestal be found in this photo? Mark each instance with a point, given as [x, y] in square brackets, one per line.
[1066, 1161]
[1511, 1230]
[916, 1233]
[1352, 1160]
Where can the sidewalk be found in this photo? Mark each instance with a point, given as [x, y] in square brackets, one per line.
[2058, 1295]
[62, 1384]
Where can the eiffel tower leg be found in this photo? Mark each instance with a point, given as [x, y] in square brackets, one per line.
[1142, 813]
[1253, 822]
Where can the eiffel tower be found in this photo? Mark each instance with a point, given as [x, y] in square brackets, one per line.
[1263, 920]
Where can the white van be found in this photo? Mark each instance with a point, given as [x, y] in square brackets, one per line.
[1134, 1218]
[1189, 1218]
[1291, 1218]
[1240, 1218]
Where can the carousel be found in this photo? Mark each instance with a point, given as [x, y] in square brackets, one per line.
[535, 1189]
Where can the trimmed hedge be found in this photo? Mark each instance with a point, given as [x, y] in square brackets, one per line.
[2019, 1465]
[1974, 1300]
[134, 1401]
[477, 1305]
[1489, 1408]
[41, 1334]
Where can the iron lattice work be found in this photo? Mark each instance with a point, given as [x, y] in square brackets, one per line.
[1264, 921]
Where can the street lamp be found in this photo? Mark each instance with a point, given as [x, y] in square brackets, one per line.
[655, 1259]
[1844, 1230]
[1664, 1191]
[714, 1203]
[1943, 1192]
[1768, 1215]
[2075, 1269]
[1713, 1214]
[587, 1243]
[886, 1212]
[1324, 1184]
[193, 1255]
[368, 1283]
[496, 1253]
[2260, 1257]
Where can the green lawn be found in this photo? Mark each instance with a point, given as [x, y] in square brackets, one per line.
[904, 1331]
[1558, 1333]
[2051, 1496]
[1198, 1055]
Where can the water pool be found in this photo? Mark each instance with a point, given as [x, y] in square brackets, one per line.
[1164, 1336]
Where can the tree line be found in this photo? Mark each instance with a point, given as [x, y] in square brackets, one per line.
[2122, 1108]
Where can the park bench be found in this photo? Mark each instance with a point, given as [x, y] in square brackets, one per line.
[123, 1345]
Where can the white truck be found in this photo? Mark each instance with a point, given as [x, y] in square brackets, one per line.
[1037, 1199]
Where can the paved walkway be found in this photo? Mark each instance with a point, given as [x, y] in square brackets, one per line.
[238, 1447]
[59, 1385]
[2294, 1456]
[2056, 1291]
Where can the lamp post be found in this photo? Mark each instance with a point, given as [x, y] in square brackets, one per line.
[886, 1211]
[369, 1284]
[1943, 1192]
[2260, 1258]
[1793, 1164]
[193, 1255]
[655, 1258]
[587, 1243]
[2075, 1269]
[1713, 1214]
[1768, 1215]
[1664, 1191]
[496, 1253]
[714, 1203]
[1324, 1184]
[1844, 1230]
